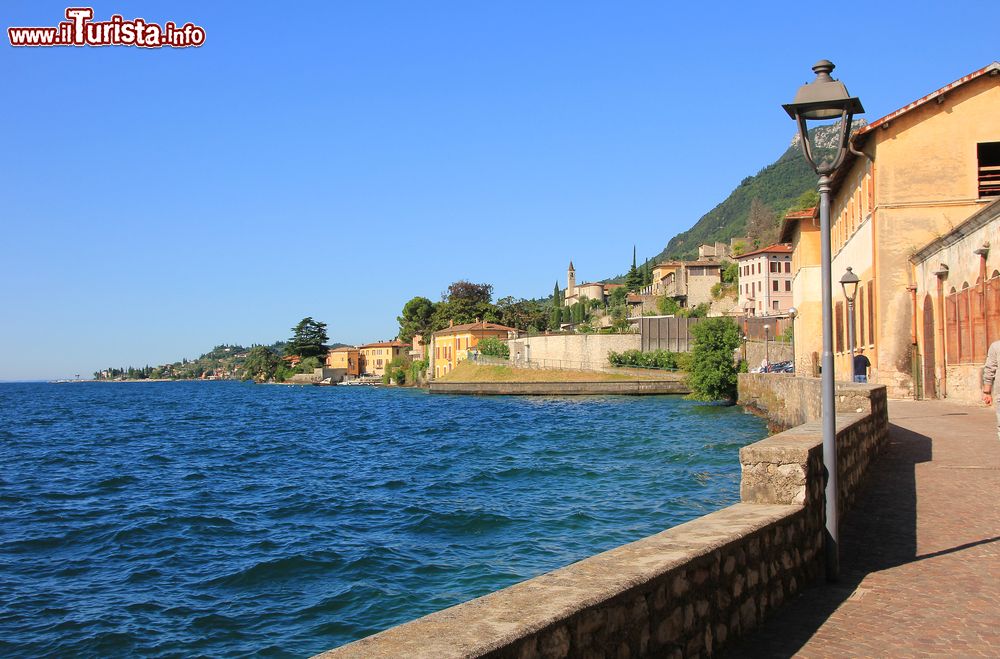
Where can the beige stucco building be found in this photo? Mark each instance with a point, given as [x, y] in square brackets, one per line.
[689, 282]
[765, 280]
[926, 169]
[347, 358]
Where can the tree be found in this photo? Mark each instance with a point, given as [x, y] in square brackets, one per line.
[668, 306]
[731, 272]
[494, 347]
[713, 369]
[522, 314]
[618, 297]
[465, 302]
[808, 199]
[308, 339]
[762, 225]
[260, 364]
[555, 318]
[633, 280]
[417, 318]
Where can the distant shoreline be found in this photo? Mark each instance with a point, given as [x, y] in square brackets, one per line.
[133, 381]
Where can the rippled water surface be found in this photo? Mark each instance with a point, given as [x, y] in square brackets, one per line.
[221, 518]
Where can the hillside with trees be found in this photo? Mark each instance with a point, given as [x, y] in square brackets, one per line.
[307, 347]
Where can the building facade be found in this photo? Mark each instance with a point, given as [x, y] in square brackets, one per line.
[924, 170]
[765, 280]
[588, 291]
[451, 346]
[957, 307]
[374, 357]
[688, 282]
[347, 358]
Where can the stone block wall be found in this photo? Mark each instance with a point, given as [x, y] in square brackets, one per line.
[583, 352]
[791, 401]
[777, 351]
[687, 591]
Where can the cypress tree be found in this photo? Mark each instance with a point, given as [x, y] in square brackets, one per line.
[633, 280]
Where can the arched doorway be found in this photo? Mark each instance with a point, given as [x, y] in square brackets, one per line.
[930, 383]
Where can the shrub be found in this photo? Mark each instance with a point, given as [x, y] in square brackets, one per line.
[668, 306]
[493, 347]
[416, 371]
[712, 375]
[639, 359]
[396, 370]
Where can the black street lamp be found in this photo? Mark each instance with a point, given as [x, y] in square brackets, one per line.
[849, 282]
[822, 100]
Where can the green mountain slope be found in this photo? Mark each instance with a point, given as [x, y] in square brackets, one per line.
[778, 186]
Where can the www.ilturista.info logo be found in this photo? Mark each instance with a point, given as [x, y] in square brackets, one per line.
[81, 30]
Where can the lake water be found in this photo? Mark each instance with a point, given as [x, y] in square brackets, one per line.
[220, 518]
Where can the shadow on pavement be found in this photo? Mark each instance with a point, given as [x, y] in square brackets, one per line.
[879, 533]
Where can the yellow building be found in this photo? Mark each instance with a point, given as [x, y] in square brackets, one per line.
[347, 358]
[452, 345]
[925, 169]
[374, 357]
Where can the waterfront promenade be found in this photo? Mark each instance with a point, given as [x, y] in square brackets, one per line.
[920, 555]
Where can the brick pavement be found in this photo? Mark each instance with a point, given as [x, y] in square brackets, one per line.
[920, 553]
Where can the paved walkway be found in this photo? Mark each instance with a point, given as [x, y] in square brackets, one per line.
[920, 560]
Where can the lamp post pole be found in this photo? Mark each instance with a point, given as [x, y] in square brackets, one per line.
[828, 402]
[767, 354]
[826, 99]
[792, 313]
[849, 282]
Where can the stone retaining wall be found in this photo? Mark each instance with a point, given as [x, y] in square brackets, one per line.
[622, 387]
[582, 352]
[688, 591]
[793, 400]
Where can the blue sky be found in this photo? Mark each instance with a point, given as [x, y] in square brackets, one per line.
[334, 159]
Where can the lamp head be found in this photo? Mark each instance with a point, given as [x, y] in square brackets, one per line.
[824, 97]
[849, 282]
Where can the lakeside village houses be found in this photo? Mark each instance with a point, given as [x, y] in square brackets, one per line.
[915, 213]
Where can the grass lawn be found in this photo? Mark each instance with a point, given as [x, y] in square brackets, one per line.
[468, 372]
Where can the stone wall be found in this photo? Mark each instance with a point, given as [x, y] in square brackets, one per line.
[791, 401]
[776, 351]
[673, 385]
[687, 591]
[584, 352]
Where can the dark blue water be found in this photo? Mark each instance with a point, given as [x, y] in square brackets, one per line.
[231, 519]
